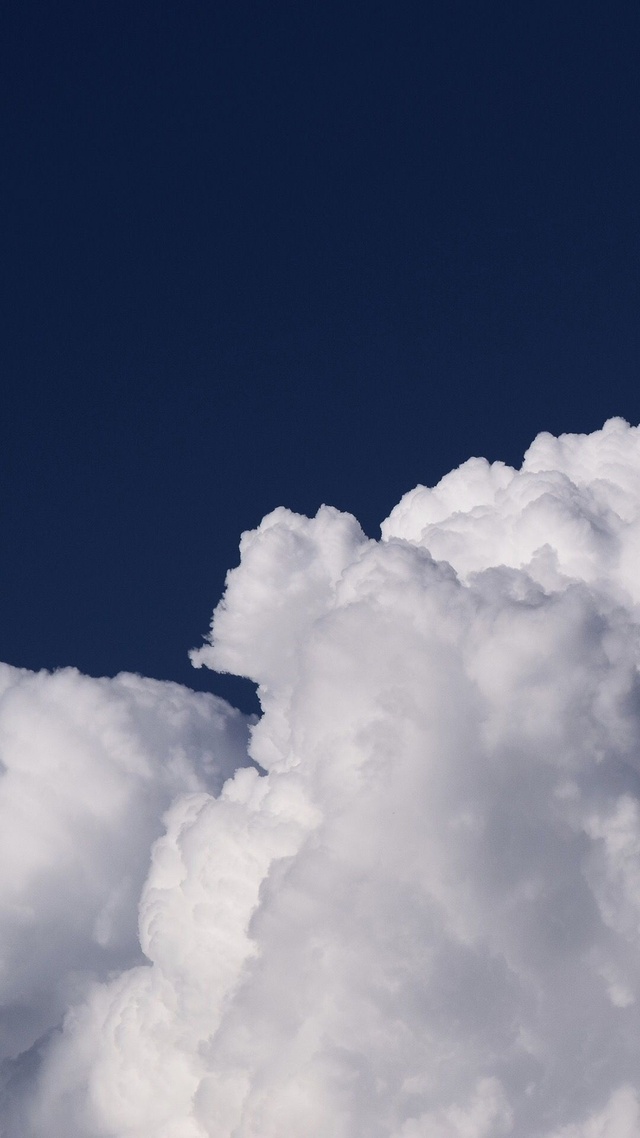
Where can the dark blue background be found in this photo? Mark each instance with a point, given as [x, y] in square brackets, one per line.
[289, 253]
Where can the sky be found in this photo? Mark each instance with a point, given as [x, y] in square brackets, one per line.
[320, 512]
[291, 254]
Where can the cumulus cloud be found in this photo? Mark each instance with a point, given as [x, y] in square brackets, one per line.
[417, 915]
[88, 769]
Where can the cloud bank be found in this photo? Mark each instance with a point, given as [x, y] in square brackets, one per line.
[417, 914]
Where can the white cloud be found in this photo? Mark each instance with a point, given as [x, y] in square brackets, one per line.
[423, 921]
[88, 769]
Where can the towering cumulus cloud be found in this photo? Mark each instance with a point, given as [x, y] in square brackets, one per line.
[416, 913]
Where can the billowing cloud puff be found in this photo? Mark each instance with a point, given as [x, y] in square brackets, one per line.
[419, 915]
[88, 769]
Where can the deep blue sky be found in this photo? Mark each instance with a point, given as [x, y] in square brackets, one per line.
[289, 253]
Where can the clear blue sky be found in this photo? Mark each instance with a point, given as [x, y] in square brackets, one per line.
[289, 253]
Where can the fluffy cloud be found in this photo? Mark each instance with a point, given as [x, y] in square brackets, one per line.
[421, 917]
[88, 769]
